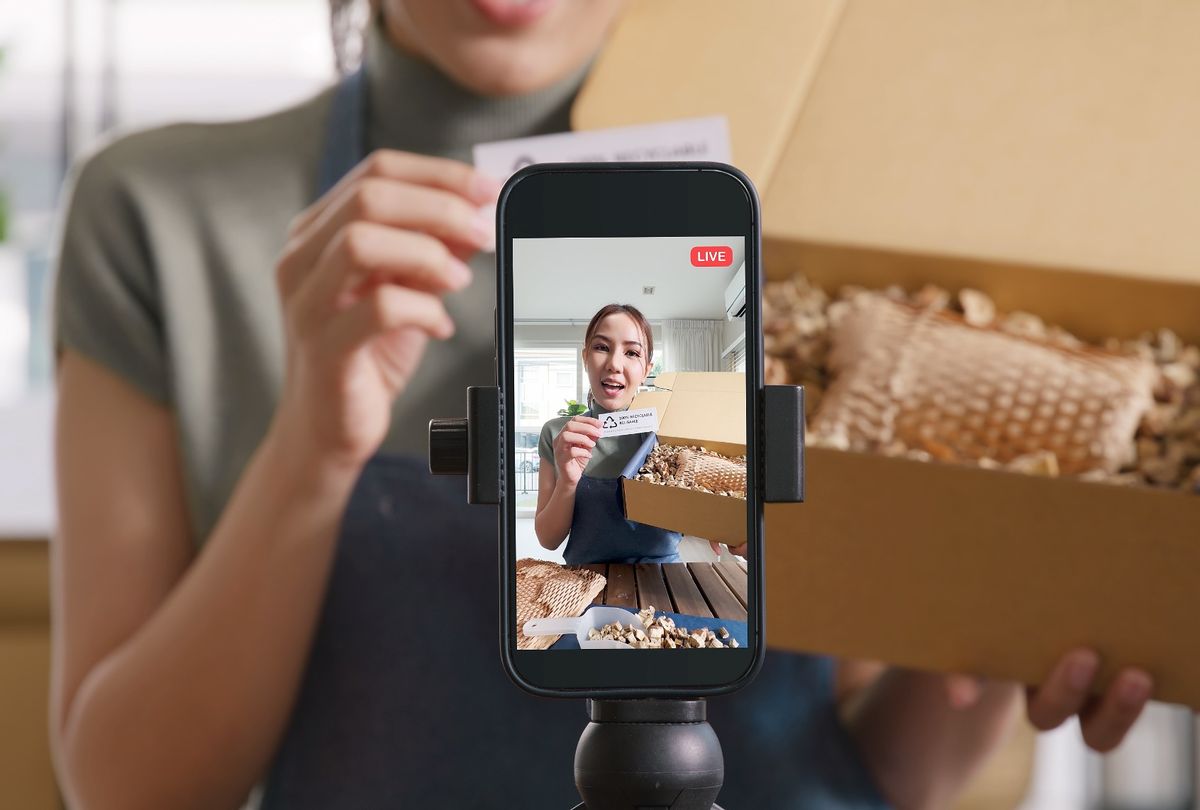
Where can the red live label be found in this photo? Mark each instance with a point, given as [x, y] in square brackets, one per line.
[712, 256]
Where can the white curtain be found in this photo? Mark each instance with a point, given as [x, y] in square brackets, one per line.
[693, 345]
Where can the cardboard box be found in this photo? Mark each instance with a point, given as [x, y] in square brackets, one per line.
[1043, 153]
[694, 408]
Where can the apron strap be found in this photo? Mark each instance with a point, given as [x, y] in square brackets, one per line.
[345, 142]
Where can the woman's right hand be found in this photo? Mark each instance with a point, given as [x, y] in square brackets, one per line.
[361, 281]
[573, 447]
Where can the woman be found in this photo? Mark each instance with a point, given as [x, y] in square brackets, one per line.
[579, 489]
[249, 316]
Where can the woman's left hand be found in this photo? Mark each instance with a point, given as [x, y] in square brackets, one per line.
[924, 734]
[1067, 692]
[738, 550]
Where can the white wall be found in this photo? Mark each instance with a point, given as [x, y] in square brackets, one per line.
[572, 278]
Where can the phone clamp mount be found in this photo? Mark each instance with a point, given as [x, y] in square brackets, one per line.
[649, 754]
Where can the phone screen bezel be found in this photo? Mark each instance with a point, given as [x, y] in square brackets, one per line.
[630, 200]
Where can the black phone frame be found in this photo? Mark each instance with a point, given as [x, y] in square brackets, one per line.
[619, 199]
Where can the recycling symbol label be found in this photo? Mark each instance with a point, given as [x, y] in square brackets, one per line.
[621, 423]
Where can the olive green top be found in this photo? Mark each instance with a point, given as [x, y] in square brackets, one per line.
[166, 265]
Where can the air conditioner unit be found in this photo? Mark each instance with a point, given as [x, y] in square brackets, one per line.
[735, 296]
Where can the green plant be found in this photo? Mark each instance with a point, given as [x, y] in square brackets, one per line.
[573, 408]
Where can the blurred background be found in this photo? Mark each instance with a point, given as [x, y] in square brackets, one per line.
[75, 72]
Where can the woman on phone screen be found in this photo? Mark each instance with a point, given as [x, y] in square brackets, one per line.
[579, 493]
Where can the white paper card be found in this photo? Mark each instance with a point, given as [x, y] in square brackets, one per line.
[684, 139]
[621, 423]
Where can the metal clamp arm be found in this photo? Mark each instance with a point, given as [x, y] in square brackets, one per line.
[783, 443]
[471, 446]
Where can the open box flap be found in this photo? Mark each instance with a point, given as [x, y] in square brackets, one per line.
[701, 408]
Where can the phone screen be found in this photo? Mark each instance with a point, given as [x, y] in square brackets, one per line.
[627, 470]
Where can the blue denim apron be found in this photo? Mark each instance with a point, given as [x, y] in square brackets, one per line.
[404, 702]
[600, 532]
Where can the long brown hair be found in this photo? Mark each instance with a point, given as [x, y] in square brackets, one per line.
[639, 320]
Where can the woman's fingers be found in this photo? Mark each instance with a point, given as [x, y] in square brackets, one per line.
[424, 170]
[399, 189]
[1106, 722]
[963, 691]
[577, 439]
[585, 425]
[1065, 692]
[366, 255]
[738, 550]
[441, 214]
[386, 309]
[442, 173]
[578, 456]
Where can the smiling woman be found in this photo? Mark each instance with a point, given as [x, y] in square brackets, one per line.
[255, 322]
[579, 476]
[618, 349]
[499, 47]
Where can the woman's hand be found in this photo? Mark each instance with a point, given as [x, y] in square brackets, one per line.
[361, 280]
[740, 551]
[1067, 692]
[573, 448]
[925, 734]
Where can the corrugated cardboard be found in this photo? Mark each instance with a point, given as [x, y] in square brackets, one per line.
[694, 408]
[678, 59]
[1043, 152]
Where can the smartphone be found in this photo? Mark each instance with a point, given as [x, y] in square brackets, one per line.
[629, 362]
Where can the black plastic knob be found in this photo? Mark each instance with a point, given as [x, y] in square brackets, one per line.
[448, 446]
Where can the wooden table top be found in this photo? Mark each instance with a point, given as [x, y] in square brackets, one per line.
[716, 590]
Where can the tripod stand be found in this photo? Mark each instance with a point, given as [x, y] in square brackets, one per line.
[658, 754]
[648, 754]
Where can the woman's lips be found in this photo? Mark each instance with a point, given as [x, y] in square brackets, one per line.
[513, 13]
[612, 389]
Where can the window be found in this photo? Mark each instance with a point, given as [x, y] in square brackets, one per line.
[660, 364]
[734, 356]
[547, 378]
[736, 359]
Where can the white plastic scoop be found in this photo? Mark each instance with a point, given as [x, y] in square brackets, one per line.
[595, 618]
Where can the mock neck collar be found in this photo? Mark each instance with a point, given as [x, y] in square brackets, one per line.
[599, 410]
[412, 106]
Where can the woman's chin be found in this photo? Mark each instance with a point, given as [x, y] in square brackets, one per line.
[617, 403]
